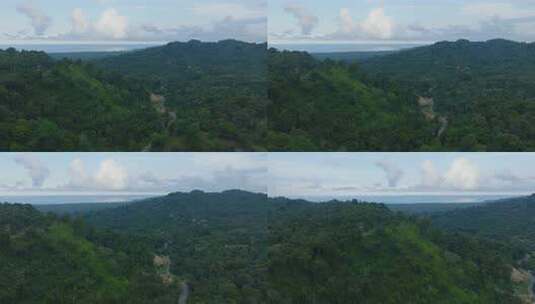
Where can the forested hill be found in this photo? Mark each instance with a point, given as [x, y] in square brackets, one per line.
[70, 106]
[227, 63]
[241, 247]
[333, 106]
[194, 96]
[486, 90]
[338, 252]
[47, 259]
[510, 220]
[216, 242]
[216, 90]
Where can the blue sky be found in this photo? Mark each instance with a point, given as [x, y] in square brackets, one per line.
[131, 20]
[347, 174]
[128, 173]
[292, 21]
[278, 174]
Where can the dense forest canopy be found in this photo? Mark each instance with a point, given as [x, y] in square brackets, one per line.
[215, 92]
[192, 96]
[51, 259]
[332, 106]
[241, 247]
[70, 106]
[508, 220]
[475, 96]
[337, 252]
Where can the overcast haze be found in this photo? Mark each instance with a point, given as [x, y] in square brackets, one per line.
[129, 173]
[399, 21]
[57, 21]
[357, 174]
[278, 174]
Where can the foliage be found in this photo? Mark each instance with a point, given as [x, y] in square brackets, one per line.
[217, 91]
[485, 89]
[331, 106]
[47, 259]
[66, 106]
[363, 253]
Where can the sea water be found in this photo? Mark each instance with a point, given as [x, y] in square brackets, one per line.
[78, 48]
[343, 47]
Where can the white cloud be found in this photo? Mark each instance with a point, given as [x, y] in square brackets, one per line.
[79, 22]
[430, 175]
[36, 169]
[39, 20]
[306, 20]
[112, 24]
[378, 25]
[393, 172]
[111, 175]
[78, 174]
[462, 174]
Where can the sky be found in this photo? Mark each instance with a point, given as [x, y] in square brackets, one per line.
[60, 21]
[41, 174]
[356, 174]
[278, 174]
[399, 21]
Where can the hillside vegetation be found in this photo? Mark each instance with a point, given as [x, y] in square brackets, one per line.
[192, 96]
[46, 259]
[485, 89]
[70, 106]
[215, 92]
[241, 247]
[449, 96]
[332, 106]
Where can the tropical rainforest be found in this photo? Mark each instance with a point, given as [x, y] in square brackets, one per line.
[449, 96]
[191, 96]
[241, 247]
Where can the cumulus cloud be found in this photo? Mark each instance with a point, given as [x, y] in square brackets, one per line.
[112, 24]
[36, 169]
[474, 21]
[393, 172]
[39, 20]
[462, 174]
[306, 20]
[376, 25]
[110, 175]
[80, 24]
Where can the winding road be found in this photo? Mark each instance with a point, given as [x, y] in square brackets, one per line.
[184, 294]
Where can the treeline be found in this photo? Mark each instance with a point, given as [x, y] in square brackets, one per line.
[240, 247]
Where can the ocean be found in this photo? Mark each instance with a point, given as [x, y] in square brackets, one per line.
[340, 48]
[78, 48]
[414, 199]
[71, 199]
